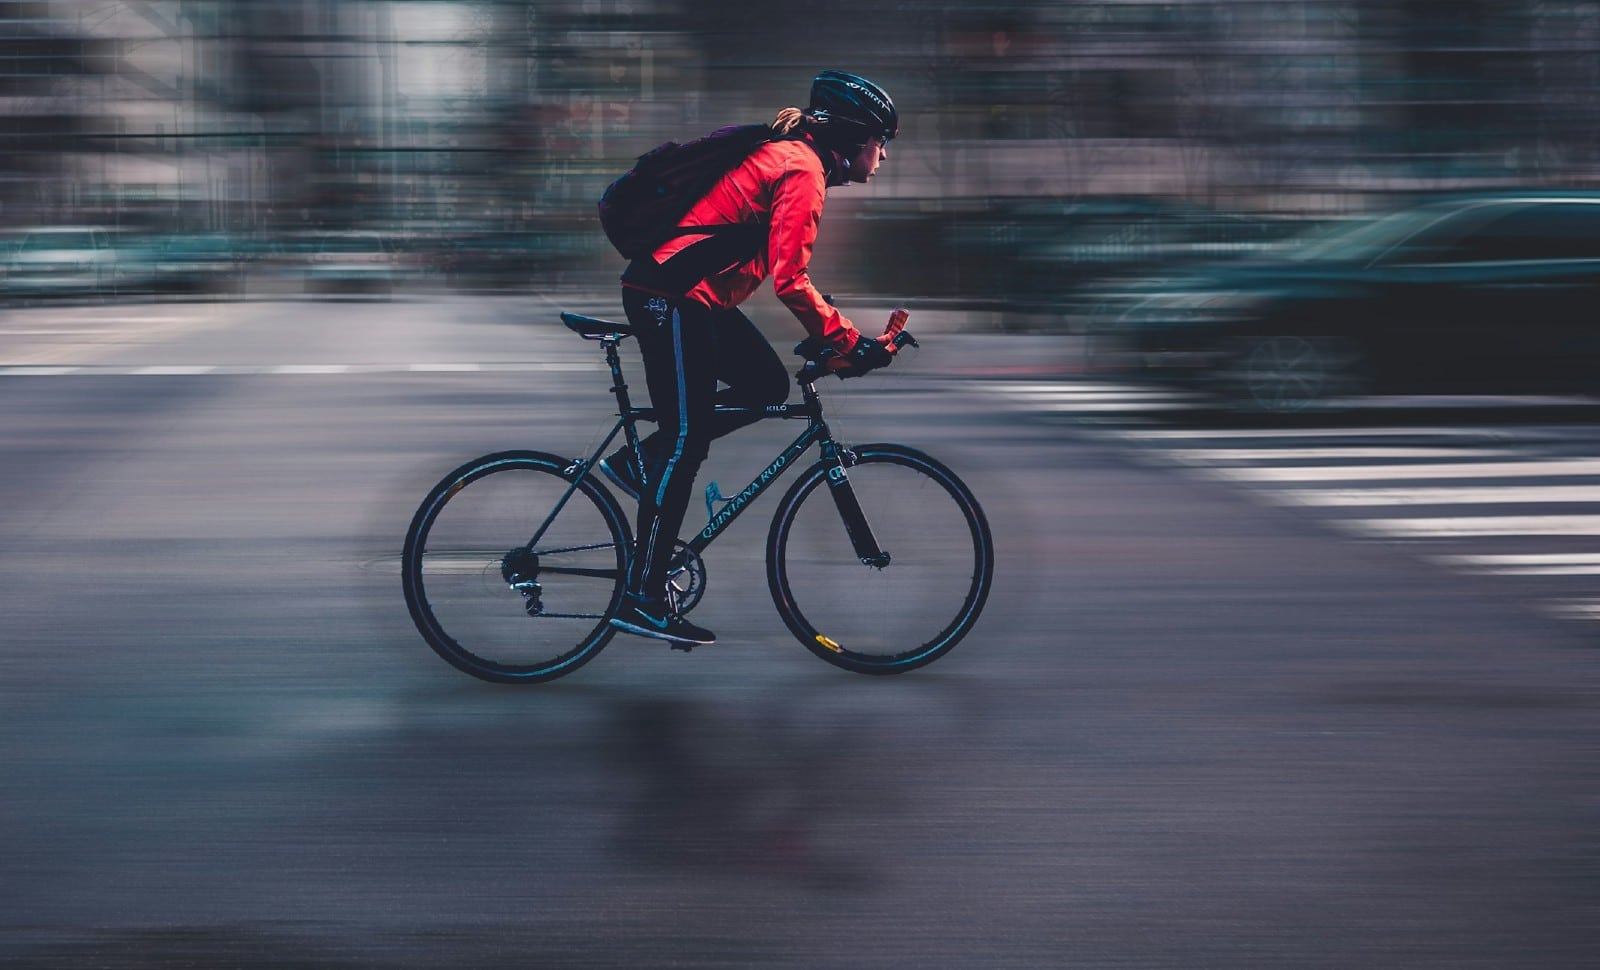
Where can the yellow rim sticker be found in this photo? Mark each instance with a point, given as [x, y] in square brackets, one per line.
[828, 643]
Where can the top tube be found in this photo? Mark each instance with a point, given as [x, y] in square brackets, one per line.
[804, 409]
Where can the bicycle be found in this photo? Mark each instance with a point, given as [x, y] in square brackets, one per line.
[509, 609]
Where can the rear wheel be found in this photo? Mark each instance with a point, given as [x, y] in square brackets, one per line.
[894, 617]
[492, 605]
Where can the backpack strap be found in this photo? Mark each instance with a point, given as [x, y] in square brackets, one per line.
[727, 246]
[677, 231]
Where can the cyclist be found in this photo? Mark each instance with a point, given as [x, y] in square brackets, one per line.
[683, 304]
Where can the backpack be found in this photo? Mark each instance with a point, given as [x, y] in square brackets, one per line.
[642, 209]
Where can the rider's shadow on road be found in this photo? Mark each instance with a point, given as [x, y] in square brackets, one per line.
[803, 791]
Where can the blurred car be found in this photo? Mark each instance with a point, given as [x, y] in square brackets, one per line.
[1049, 255]
[490, 261]
[53, 262]
[199, 263]
[511, 261]
[339, 263]
[1482, 295]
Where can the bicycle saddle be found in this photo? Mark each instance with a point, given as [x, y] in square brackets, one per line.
[595, 328]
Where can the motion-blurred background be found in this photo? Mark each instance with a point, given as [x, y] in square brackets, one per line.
[272, 147]
[1263, 683]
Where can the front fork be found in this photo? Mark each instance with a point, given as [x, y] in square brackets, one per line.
[836, 460]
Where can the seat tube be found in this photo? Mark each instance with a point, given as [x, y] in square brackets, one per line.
[836, 460]
[619, 387]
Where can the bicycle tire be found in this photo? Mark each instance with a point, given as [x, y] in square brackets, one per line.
[464, 549]
[882, 620]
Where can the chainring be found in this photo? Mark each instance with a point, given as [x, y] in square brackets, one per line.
[686, 578]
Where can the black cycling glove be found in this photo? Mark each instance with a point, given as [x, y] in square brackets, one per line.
[866, 355]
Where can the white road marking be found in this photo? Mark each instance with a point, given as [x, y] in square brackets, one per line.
[1457, 527]
[1542, 468]
[1087, 397]
[125, 319]
[1200, 456]
[310, 369]
[1086, 406]
[1047, 389]
[1164, 434]
[175, 370]
[1574, 609]
[1517, 495]
[1526, 564]
[1079, 394]
[179, 370]
[64, 332]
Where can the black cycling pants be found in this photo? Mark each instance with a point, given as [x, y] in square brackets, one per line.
[688, 349]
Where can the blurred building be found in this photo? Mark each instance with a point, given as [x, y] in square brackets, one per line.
[495, 123]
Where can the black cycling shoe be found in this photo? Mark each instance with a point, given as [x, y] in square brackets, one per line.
[620, 467]
[650, 617]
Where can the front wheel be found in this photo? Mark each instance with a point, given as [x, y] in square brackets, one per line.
[907, 612]
[497, 607]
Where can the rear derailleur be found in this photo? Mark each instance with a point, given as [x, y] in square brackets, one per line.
[519, 568]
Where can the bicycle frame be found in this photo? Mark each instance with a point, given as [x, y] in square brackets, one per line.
[837, 459]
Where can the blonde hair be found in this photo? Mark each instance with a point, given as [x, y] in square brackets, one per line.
[788, 120]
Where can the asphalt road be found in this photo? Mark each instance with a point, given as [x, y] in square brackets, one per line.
[1191, 729]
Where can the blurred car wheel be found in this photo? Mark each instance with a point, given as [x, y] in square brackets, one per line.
[1286, 374]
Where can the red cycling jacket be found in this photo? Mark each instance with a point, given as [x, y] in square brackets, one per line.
[782, 185]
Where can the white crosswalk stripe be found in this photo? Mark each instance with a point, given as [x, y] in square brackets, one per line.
[1466, 495]
[1528, 564]
[1530, 468]
[1575, 609]
[1458, 526]
[1088, 397]
[1386, 452]
[1516, 500]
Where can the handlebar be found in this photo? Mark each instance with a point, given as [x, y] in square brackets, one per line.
[817, 355]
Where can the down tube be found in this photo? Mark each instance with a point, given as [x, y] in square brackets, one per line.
[770, 474]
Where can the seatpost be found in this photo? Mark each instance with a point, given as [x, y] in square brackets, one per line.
[619, 387]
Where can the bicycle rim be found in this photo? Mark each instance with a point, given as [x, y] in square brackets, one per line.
[901, 616]
[494, 608]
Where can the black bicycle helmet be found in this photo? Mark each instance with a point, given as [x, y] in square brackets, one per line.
[846, 110]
